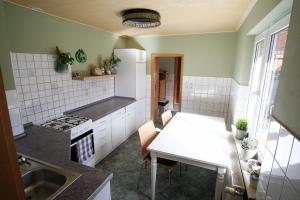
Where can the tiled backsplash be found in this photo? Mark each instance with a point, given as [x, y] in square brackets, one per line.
[200, 95]
[280, 177]
[206, 95]
[14, 112]
[44, 94]
[238, 102]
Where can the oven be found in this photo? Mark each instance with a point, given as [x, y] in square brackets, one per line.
[78, 128]
[73, 150]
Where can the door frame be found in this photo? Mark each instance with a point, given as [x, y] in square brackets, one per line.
[10, 175]
[155, 79]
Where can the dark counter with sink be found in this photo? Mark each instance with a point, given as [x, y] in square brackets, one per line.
[52, 146]
[101, 108]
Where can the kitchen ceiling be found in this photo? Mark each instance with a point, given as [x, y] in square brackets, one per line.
[178, 17]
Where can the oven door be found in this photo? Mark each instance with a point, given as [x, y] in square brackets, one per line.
[90, 161]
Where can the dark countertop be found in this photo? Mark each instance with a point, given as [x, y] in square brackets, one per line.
[52, 146]
[101, 108]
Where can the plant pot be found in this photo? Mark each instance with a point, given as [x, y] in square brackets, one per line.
[61, 68]
[247, 154]
[114, 70]
[239, 134]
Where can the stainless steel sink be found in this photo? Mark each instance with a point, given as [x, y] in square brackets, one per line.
[45, 181]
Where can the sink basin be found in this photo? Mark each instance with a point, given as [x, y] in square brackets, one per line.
[42, 180]
[42, 183]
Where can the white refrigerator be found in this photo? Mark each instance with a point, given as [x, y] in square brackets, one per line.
[130, 80]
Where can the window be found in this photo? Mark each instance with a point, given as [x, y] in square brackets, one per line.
[266, 68]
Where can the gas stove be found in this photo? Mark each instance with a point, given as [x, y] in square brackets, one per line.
[78, 127]
[69, 123]
[65, 123]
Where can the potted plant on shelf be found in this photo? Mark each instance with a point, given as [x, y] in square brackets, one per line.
[64, 60]
[241, 129]
[110, 64]
[249, 148]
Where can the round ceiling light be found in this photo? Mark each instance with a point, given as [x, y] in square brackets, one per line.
[141, 18]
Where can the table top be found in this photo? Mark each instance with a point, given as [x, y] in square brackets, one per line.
[194, 137]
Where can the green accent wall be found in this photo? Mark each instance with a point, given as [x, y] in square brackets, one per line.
[33, 32]
[287, 109]
[204, 54]
[245, 42]
[4, 52]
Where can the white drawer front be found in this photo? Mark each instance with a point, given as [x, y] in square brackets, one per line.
[102, 121]
[118, 113]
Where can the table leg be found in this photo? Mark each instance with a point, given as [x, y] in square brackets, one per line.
[220, 183]
[153, 173]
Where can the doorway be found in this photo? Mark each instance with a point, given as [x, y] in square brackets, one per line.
[166, 83]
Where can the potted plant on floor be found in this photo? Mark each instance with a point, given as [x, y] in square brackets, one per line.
[64, 60]
[241, 129]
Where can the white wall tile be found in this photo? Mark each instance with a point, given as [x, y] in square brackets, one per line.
[288, 192]
[264, 175]
[38, 85]
[284, 146]
[275, 183]
[293, 171]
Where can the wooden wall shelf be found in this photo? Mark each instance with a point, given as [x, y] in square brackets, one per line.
[85, 78]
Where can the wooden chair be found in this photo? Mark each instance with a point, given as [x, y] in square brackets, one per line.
[147, 134]
[166, 117]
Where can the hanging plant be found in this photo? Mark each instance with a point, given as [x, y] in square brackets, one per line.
[64, 60]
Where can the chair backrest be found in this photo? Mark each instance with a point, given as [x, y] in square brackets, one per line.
[147, 134]
[166, 117]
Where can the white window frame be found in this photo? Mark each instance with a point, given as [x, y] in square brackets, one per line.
[265, 68]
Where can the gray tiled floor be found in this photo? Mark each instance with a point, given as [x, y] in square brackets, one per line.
[124, 162]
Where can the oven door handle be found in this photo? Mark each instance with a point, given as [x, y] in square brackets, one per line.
[75, 140]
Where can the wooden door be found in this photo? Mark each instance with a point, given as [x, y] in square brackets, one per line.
[10, 175]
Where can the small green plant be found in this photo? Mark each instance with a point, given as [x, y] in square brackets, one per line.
[249, 143]
[64, 58]
[242, 124]
[111, 62]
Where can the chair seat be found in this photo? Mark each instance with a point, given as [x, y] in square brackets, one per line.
[162, 161]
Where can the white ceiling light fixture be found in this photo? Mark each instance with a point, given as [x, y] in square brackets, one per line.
[141, 18]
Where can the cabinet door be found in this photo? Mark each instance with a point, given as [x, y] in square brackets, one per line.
[140, 112]
[118, 128]
[102, 140]
[130, 120]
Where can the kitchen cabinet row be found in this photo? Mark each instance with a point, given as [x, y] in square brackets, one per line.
[113, 129]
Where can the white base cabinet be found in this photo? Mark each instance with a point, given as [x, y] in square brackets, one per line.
[118, 127]
[130, 120]
[104, 194]
[113, 129]
[102, 138]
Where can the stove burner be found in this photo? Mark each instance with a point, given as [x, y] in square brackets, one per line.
[65, 123]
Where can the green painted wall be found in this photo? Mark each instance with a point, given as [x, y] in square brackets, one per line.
[4, 52]
[245, 42]
[204, 55]
[34, 32]
[287, 109]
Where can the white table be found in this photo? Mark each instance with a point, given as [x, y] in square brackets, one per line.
[196, 140]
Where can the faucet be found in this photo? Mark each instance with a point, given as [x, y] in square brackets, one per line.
[22, 160]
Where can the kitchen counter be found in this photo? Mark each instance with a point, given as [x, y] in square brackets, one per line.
[53, 147]
[101, 108]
